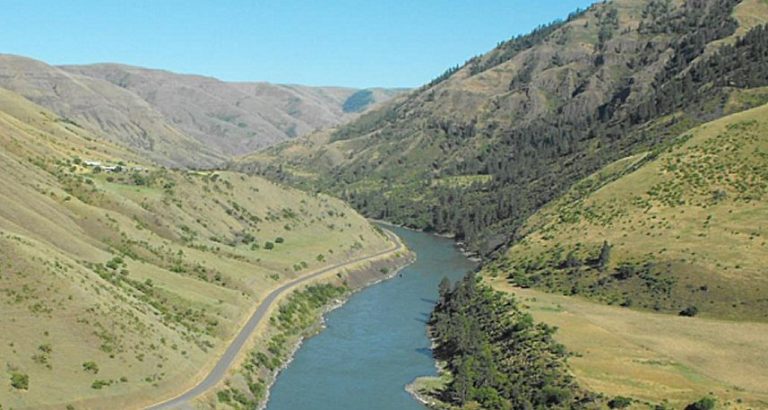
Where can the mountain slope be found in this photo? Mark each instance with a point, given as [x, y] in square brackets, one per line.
[483, 146]
[120, 279]
[179, 120]
[685, 227]
[674, 240]
[109, 112]
[235, 118]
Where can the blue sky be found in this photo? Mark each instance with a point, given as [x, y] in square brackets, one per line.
[335, 42]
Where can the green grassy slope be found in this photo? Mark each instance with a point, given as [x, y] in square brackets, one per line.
[118, 285]
[686, 227]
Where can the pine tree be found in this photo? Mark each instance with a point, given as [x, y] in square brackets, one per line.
[605, 255]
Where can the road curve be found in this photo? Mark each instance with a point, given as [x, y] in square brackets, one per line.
[226, 360]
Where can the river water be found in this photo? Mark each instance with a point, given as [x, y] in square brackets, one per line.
[376, 343]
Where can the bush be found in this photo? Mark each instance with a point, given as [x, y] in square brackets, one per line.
[620, 402]
[690, 311]
[269, 245]
[279, 240]
[138, 179]
[19, 381]
[706, 403]
[605, 255]
[98, 384]
[224, 396]
[91, 367]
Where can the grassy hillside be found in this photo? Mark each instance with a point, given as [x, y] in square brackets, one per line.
[653, 357]
[680, 230]
[120, 279]
[111, 113]
[480, 148]
[235, 118]
[179, 120]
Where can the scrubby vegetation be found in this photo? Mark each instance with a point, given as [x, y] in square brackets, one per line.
[19, 381]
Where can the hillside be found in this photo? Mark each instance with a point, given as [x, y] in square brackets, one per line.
[480, 148]
[674, 240]
[120, 280]
[237, 118]
[180, 120]
[680, 231]
[650, 272]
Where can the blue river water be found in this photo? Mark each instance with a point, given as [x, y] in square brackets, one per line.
[376, 343]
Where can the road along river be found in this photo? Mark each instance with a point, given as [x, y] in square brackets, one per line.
[376, 343]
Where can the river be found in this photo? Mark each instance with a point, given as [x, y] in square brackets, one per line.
[376, 343]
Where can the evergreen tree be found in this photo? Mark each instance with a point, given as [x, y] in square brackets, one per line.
[605, 255]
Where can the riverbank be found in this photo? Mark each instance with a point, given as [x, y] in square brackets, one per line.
[274, 345]
[376, 343]
[460, 245]
[319, 324]
[425, 389]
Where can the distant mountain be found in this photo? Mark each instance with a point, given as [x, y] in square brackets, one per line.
[237, 118]
[179, 120]
[110, 112]
[484, 145]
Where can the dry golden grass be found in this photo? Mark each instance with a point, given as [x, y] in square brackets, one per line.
[654, 357]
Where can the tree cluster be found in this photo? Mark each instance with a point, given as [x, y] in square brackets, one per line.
[498, 357]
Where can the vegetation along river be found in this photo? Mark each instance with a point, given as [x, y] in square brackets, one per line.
[376, 343]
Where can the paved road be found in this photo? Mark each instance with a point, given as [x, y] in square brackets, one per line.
[226, 360]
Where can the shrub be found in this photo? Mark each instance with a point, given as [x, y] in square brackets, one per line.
[138, 179]
[706, 403]
[269, 245]
[620, 402]
[690, 311]
[98, 384]
[625, 271]
[19, 381]
[91, 367]
[223, 396]
[605, 255]
[279, 239]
